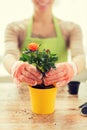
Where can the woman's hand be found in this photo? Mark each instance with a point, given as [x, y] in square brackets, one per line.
[24, 72]
[63, 73]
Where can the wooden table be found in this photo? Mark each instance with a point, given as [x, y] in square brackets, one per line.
[16, 114]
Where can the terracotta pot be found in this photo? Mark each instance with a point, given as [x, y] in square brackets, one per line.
[43, 100]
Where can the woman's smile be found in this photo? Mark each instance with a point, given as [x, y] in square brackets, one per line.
[43, 3]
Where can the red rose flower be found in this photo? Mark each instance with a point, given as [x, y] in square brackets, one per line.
[33, 46]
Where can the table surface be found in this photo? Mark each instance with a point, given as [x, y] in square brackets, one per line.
[16, 114]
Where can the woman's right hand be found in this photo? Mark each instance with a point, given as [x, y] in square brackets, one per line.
[25, 72]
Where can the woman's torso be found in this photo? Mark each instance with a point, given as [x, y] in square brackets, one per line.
[22, 29]
[49, 37]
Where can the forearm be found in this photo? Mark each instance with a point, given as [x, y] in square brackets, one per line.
[80, 62]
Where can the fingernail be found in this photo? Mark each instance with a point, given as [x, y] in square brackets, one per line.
[40, 76]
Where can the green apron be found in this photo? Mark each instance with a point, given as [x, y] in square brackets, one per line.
[56, 44]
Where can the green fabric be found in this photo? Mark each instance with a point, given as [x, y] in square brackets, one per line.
[56, 44]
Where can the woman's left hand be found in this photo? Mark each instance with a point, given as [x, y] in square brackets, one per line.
[63, 73]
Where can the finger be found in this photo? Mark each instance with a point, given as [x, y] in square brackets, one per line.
[59, 76]
[39, 82]
[60, 65]
[27, 80]
[54, 79]
[34, 71]
[55, 71]
[50, 82]
[62, 75]
[63, 78]
[30, 76]
[61, 84]
[18, 70]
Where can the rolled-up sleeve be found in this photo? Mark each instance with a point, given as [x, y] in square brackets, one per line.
[11, 40]
[12, 51]
[76, 47]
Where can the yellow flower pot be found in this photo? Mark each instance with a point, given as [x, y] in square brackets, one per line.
[43, 100]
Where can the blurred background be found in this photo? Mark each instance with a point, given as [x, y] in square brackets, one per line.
[15, 10]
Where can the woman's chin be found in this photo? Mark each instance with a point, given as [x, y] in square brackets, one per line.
[43, 8]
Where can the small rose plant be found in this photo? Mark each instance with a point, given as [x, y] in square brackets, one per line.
[43, 60]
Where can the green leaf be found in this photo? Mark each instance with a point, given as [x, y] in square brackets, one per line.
[44, 60]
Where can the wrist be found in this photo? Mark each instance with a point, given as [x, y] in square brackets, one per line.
[74, 67]
[15, 66]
